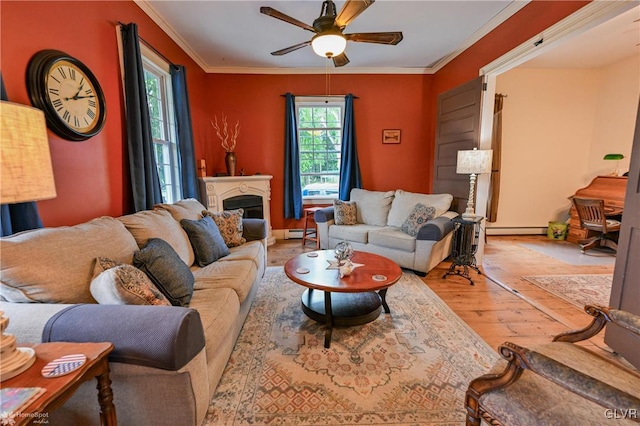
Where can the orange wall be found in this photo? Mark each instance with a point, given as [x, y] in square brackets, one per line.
[384, 102]
[91, 176]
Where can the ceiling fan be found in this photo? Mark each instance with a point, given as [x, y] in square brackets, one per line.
[329, 41]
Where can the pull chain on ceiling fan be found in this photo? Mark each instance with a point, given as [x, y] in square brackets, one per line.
[329, 40]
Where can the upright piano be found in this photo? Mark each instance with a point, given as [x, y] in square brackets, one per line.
[611, 189]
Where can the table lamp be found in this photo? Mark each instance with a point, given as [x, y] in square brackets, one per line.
[616, 157]
[473, 162]
[27, 175]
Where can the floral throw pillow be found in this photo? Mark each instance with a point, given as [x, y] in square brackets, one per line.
[418, 217]
[122, 284]
[344, 212]
[229, 223]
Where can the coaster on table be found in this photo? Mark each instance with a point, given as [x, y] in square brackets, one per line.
[65, 365]
[379, 277]
[302, 270]
[312, 254]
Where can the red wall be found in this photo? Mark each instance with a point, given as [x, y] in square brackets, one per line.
[92, 176]
[384, 102]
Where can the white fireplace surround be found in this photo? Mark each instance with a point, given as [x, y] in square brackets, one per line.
[214, 190]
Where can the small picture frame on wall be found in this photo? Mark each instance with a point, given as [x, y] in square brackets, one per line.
[391, 136]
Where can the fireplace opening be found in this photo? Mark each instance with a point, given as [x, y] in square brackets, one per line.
[252, 205]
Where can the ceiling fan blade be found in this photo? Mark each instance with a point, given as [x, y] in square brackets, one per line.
[340, 60]
[290, 48]
[380, 38]
[286, 18]
[350, 11]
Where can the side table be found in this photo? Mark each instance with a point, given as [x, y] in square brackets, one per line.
[464, 247]
[59, 389]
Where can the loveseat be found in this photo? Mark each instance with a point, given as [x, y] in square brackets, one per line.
[167, 360]
[414, 230]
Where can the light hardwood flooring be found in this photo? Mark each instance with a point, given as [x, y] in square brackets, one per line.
[501, 306]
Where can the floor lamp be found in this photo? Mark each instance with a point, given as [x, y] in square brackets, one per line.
[26, 175]
[473, 162]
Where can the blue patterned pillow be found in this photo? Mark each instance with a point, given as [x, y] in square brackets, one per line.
[418, 217]
[345, 212]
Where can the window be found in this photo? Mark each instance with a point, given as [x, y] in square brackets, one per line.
[163, 127]
[320, 141]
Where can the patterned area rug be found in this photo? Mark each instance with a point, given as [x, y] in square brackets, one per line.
[579, 290]
[405, 368]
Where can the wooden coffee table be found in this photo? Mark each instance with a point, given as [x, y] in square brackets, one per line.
[353, 300]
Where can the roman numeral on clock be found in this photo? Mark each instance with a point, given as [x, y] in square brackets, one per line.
[91, 113]
[66, 116]
[57, 104]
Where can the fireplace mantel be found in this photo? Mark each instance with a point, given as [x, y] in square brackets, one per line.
[214, 190]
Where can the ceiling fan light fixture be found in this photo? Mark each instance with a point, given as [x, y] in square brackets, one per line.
[328, 45]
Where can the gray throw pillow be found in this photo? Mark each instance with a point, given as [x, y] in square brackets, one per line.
[166, 270]
[344, 212]
[418, 217]
[207, 243]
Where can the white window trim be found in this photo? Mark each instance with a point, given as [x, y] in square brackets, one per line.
[319, 101]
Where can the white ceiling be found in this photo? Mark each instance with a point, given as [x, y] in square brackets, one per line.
[233, 36]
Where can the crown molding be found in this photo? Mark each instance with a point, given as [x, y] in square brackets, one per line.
[507, 12]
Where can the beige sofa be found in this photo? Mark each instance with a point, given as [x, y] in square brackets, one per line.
[167, 359]
[380, 216]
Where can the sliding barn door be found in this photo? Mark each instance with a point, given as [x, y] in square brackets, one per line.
[625, 293]
[458, 127]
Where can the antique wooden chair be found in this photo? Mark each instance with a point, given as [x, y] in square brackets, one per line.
[593, 217]
[559, 382]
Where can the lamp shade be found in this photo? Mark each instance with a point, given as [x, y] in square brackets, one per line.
[328, 45]
[474, 161]
[25, 160]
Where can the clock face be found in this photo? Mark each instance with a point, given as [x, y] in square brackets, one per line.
[72, 96]
[68, 93]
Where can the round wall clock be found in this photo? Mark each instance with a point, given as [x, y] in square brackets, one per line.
[68, 93]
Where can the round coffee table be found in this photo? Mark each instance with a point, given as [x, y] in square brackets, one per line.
[352, 300]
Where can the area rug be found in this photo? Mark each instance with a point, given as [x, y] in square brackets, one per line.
[409, 367]
[579, 290]
[570, 253]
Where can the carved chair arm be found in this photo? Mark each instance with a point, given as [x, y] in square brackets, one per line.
[602, 316]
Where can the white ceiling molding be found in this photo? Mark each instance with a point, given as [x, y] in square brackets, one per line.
[587, 17]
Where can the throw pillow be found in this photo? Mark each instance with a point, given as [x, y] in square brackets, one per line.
[208, 244]
[404, 201]
[344, 212]
[373, 206]
[418, 217]
[125, 285]
[229, 223]
[166, 270]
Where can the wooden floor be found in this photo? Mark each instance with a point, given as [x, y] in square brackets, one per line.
[501, 306]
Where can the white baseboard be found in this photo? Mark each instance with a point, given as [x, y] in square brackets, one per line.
[288, 234]
[516, 231]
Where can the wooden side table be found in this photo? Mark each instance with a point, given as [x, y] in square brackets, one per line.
[58, 390]
[464, 246]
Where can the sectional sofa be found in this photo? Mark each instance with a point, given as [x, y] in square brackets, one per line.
[167, 359]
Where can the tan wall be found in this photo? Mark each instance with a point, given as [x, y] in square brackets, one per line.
[557, 126]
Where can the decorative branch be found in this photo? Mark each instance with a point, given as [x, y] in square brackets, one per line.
[228, 141]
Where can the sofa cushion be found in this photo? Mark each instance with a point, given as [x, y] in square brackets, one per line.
[208, 245]
[238, 275]
[345, 212]
[35, 265]
[354, 233]
[392, 238]
[166, 270]
[403, 204]
[251, 250]
[418, 217]
[373, 206]
[159, 224]
[230, 225]
[163, 337]
[126, 285]
[189, 208]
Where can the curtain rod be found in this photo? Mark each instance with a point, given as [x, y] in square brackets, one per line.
[146, 43]
[321, 96]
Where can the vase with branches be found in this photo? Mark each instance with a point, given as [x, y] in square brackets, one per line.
[228, 139]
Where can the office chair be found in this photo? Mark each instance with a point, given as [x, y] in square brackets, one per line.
[592, 216]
